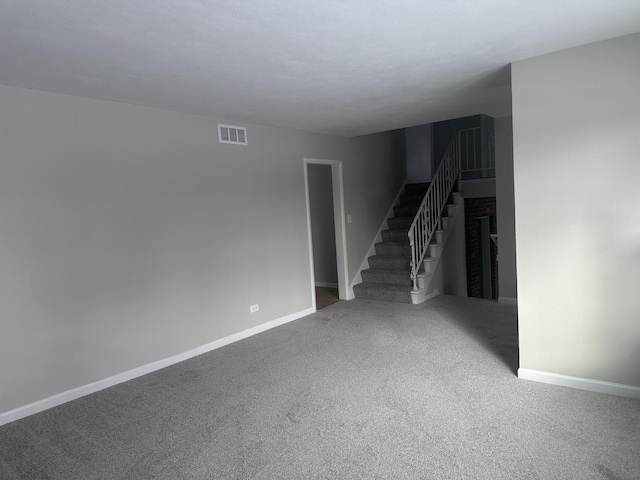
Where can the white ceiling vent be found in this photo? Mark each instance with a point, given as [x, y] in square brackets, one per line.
[232, 134]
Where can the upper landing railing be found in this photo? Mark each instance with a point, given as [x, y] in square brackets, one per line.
[476, 152]
[470, 155]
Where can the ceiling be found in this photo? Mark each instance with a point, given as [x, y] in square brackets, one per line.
[345, 67]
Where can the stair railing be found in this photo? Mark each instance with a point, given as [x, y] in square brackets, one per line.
[428, 218]
[477, 158]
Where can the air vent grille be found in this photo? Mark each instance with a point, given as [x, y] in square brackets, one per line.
[232, 134]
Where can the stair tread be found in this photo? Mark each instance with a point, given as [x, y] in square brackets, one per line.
[387, 270]
[412, 199]
[389, 262]
[390, 258]
[384, 287]
[388, 286]
[383, 292]
[386, 276]
[397, 248]
[415, 188]
[389, 255]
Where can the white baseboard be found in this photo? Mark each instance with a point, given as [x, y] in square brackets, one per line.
[377, 239]
[580, 383]
[508, 300]
[60, 398]
[327, 284]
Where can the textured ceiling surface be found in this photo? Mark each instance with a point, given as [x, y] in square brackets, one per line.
[345, 67]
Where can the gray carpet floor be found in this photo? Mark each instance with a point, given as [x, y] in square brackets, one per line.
[360, 390]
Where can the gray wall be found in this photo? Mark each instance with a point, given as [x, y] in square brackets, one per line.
[130, 234]
[505, 210]
[418, 142]
[323, 231]
[576, 124]
[478, 188]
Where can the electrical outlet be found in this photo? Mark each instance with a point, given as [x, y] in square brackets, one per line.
[349, 218]
[254, 308]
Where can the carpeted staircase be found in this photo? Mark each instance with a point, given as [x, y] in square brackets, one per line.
[389, 275]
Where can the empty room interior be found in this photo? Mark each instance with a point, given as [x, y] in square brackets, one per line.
[320, 240]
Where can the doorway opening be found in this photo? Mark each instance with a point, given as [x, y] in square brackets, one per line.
[326, 230]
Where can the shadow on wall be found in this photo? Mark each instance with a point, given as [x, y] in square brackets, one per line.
[618, 346]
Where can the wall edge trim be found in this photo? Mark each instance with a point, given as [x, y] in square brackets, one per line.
[78, 392]
[589, 384]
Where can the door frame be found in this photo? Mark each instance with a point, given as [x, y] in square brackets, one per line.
[339, 218]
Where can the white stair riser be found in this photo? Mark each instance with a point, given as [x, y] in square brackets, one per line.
[423, 279]
[429, 264]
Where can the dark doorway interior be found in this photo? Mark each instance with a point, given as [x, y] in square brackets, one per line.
[475, 210]
[326, 296]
